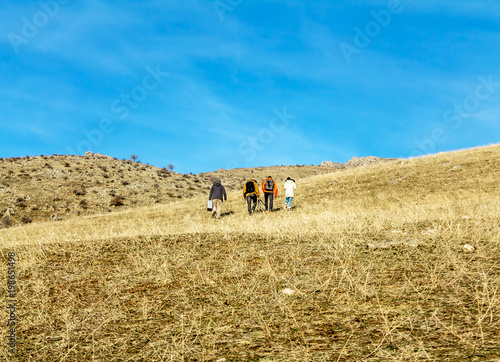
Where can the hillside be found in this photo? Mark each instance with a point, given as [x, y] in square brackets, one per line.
[370, 265]
[60, 187]
[55, 187]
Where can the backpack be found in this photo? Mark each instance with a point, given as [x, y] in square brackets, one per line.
[269, 186]
[250, 187]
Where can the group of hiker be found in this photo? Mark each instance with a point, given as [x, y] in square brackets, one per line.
[251, 194]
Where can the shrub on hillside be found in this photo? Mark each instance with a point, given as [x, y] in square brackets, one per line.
[163, 172]
[6, 221]
[117, 201]
[80, 192]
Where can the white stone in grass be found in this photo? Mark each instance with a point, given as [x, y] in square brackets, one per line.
[221, 360]
[288, 291]
[466, 217]
[469, 248]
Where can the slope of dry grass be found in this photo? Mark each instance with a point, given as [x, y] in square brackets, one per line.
[35, 188]
[203, 297]
[60, 187]
[168, 282]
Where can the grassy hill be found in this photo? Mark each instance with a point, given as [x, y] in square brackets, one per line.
[60, 187]
[369, 265]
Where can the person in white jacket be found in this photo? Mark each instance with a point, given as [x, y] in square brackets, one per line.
[289, 192]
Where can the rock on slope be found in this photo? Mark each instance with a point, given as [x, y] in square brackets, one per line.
[357, 162]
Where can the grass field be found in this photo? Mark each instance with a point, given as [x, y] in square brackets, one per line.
[59, 187]
[369, 265]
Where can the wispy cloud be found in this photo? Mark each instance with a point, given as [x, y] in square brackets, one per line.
[227, 77]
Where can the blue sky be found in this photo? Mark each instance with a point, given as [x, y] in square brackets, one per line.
[216, 84]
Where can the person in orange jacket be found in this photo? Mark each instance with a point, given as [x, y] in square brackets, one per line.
[270, 192]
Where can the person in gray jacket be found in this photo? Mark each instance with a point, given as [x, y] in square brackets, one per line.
[217, 193]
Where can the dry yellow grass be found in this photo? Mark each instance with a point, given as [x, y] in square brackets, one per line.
[46, 187]
[168, 282]
[35, 188]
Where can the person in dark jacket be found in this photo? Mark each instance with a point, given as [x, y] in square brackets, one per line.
[217, 194]
[251, 194]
